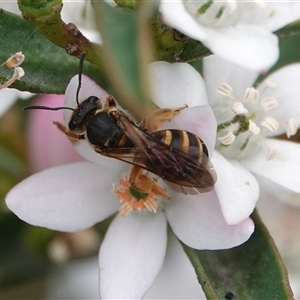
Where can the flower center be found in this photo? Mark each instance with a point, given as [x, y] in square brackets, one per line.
[222, 13]
[244, 123]
[134, 200]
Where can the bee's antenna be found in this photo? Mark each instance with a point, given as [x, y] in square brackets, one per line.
[79, 76]
[45, 107]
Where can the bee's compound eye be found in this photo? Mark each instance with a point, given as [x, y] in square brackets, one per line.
[72, 125]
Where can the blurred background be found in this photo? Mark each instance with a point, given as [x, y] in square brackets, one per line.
[36, 263]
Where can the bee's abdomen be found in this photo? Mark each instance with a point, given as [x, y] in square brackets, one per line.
[182, 140]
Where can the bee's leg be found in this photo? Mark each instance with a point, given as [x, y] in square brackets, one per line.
[145, 183]
[70, 134]
[160, 115]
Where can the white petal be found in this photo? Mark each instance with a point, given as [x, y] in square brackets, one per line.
[8, 98]
[271, 190]
[198, 222]
[173, 85]
[177, 278]
[249, 46]
[287, 91]
[280, 163]
[175, 15]
[218, 71]
[67, 198]
[199, 120]
[283, 13]
[132, 255]
[236, 188]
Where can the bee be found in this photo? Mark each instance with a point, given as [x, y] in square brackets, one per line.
[179, 157]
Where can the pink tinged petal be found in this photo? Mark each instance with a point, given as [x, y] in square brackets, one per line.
[237, 189]
[199, 120]
[48, 147]
[249, 46]
[218, 71]
[132, 255]
[287, 91]
[280, 162]
[175, 15]
[174, 85]
[198, 222]
[70, 198]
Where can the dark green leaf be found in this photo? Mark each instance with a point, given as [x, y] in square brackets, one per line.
[48, 68]
[172, 46]
[253, 270]
[290, 29]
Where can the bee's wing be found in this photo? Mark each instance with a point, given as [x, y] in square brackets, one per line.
[171, 164]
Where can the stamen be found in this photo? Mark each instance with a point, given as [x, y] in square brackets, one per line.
[270, 123]
[227, 139]
[269, 103]
[251, 96]
[125, 209]
[18, 73]
[292, 128]
[238, 108]
[130, 202]
[225, 89]
[151, 205]
[253, 128]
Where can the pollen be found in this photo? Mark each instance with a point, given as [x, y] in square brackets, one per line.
[133, 200]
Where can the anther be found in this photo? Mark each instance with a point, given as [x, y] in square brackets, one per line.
[227, 139]
[271, 84]
[253, 128]
[292, 128]
[251, 96]
[269, 103]
[15, 60]
[225, 89]
[270, 123]
[238, 108]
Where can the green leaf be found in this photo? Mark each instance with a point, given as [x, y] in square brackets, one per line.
[253, 270]
[288, 30]
[126, 52]
[48, 68]
[172, 46]
[49, 23]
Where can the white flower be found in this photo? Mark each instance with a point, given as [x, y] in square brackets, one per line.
[78, 195]
[272, 109]
[238, 31]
